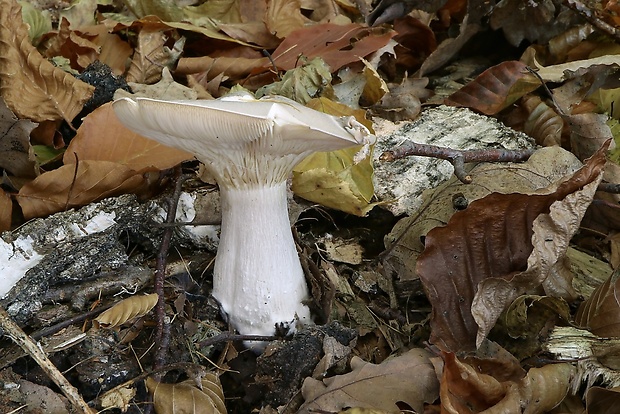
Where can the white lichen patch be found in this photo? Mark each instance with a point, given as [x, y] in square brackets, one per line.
[16, 258]
[401, 183]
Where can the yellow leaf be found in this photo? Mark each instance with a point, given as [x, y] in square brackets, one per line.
[185, 397]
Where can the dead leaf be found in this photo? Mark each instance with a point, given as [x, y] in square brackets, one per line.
[185, 397]
[464, 389]
[496, 88]
[601, 400]
[600, 313]
[166, 89]
[283, 17]
[79, 48]
[127, 309]
[151, 55]
[542, 122]
[102, 137]
[409, 377]
[310, 80]
[336, 45]
[16, 154]
[31, 86]
[476, 265]
[64, 188]
[336, 179]
[536, 22]
[6, 211]
[588, 132]
[118, 398]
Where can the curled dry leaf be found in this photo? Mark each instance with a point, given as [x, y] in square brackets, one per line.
[600, 313]
[31, 86]
[464, 389]
[16, 154]
[542, 123]
[496, 88]
[126, 309]
[409, 378]
[473, 267]
[185, 397]
[75, 185]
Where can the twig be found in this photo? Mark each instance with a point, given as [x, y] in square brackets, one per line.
[585, 12]
[457, 158]
[160, 310]
[13, 331]
[229, 336]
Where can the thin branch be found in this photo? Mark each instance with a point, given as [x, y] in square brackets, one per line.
[457, 158]
[25, 342]
[587, 13]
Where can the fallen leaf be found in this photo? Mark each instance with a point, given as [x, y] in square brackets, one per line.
[6, 211]
[336, 45]
[466, 390]
[600, 313]
[185, 397]
[601, 400]
[497, 248]
[151, 55]
[16, 154]
[496, 88]
[283, 17]
[127, 309]
[65, 187]
[409, 377]
[102, 137]
[31, 86]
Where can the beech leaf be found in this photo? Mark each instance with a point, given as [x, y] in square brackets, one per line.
[16, 153]
[464, 389]
[600, 313]
[102, 137]
[127, 309]
[482, 259]
[186, 397]
[496, 88]
[409, 377]
[337, 45]
[31, 86]
[65, 187]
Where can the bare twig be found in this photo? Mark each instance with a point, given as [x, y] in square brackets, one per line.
[587, 13]
[13, 331]
[162, 343]
[457, 158]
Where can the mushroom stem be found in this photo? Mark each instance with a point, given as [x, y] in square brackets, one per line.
[258, 278]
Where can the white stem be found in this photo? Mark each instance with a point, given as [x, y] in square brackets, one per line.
[258, 279]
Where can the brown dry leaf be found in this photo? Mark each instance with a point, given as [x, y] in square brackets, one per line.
[167, 89]
[6, 210]
[185, 397]
[496, 88]
[542, 122]
[409, 377]
[16, 154]
[602, 400]
[102, 137]
[113, 51]
[31, 86]
[535, 21]
[127, 309]
[336, 45]
[544, 167]
[234, 68]
[600, 313]
[151, 56]
[64, 188]
[283, 17]
[588, 132]
[79, 48]
[465, 390]
[473, 267]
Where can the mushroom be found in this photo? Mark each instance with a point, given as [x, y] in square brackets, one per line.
[250, 146]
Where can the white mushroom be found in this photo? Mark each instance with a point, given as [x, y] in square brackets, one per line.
[250, 146]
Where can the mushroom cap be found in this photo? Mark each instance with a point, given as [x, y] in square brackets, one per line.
[260, 140]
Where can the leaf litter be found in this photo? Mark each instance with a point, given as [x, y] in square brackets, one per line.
[485, 275]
